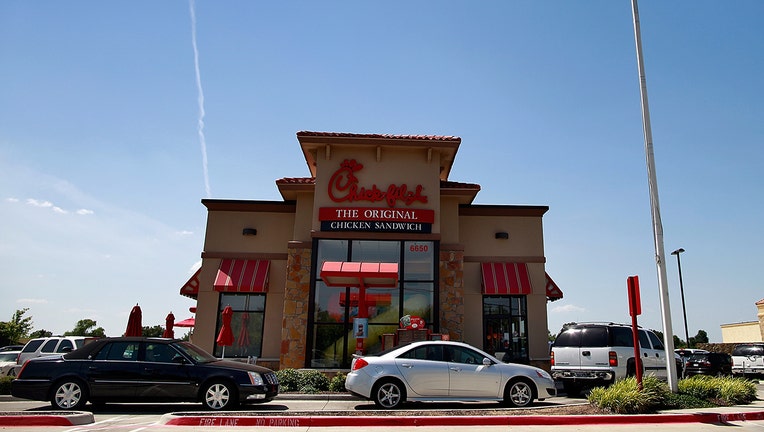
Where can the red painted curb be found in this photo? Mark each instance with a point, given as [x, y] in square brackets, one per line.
[34, 420]
[340, 421]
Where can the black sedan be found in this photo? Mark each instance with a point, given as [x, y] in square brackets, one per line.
[708, 363]
[136, 369]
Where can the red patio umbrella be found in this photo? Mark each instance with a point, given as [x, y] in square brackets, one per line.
[225, 337]
[134, 326]
[188, 322]
[169, 323]
[243, 342]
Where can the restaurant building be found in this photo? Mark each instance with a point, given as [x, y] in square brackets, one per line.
[375, 248]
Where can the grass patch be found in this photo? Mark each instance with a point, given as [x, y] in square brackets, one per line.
[624, 396]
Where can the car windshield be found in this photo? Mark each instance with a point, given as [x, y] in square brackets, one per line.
[698, 357]
[197, 354]
[8, 356]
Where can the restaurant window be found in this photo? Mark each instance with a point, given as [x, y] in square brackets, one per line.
[331, 341]
[505, 327]
[246, 324]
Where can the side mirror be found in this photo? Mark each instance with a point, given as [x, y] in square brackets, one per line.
[179, 359]
[66, 349]
[487, 361]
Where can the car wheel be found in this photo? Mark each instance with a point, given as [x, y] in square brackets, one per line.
[519, 393]
[219, 396]
[389, 394]
[69, 395]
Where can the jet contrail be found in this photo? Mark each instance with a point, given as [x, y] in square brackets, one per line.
[200, 122]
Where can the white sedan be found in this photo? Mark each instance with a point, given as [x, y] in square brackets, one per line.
[445, 371]
[8, 362]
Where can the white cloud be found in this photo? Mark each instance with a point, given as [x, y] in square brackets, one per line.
[13, 200]
[185, 233]
[84, 212]
[567, 309]
[37, 203]
[32, 301]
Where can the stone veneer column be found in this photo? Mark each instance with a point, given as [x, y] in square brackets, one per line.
[294, 326]
[451, 283]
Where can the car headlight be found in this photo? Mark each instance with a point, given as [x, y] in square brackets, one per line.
[543, 374]
[255, 378]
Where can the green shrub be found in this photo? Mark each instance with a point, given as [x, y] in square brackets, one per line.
[5, 385]
[289, 379]
[624, 396]
[311, 378]
[337, 384]
[302, 380]
[720, 390]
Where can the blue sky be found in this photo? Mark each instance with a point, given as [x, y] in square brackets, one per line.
[102, 165]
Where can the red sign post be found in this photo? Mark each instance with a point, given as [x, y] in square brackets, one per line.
[635, 308]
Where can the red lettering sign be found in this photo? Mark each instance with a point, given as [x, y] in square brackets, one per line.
[343, 187]
[376, 214]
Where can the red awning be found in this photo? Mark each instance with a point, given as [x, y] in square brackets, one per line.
[505, 278]
[191, 288]
[553, 292]
[353, 274]
[238, 275]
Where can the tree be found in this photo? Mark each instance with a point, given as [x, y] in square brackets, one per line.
[155, 331]
[40, 334]
[84, 327]
[678, 343]
[17, 328]
[701, 337]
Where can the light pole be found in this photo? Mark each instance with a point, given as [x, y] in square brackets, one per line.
[681, 290]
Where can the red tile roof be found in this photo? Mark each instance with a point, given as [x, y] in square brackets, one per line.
[385, 136]
[444, 184]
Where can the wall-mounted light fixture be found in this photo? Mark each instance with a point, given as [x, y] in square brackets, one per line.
[502, 235]
[249, 231]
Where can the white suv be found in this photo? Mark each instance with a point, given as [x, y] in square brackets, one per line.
[49, 346]
[748, 359]
[592, 354]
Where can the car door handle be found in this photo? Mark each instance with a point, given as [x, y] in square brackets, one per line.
[407, 365]
[456, 369]
[586, 353]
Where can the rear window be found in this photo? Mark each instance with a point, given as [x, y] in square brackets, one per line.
[748, 350]
[569, 338]
[32, 345]
[622, 337]
[594, 337]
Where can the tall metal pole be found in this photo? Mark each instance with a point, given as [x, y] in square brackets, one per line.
[668, 333]
[681, 290]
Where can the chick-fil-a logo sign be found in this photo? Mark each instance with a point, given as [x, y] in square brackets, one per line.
[343, 187]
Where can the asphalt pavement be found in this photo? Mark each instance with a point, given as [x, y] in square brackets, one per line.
[306, 414]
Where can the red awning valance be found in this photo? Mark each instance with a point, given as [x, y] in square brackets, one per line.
[191, 288]
[553, 292]
[353, 274]
[240, 275]
[505, 278]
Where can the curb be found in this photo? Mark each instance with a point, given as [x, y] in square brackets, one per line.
[530, 420]
[46, 418]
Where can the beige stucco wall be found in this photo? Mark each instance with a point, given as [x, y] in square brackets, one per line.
[224, 238]
[741, 332]
[525, 244]
[402, 166]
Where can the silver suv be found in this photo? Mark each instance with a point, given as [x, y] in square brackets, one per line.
[748, 359]
[49, 346]
[596, 354]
